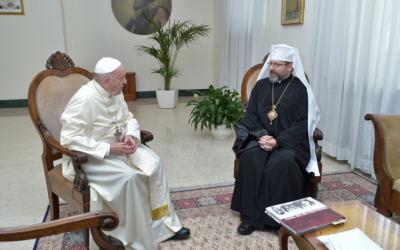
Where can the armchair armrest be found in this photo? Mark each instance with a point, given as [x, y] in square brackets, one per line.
[105, 220]
[81, 182]
[318, 135]
[145, 136]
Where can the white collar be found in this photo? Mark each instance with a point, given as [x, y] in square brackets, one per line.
[102, 91]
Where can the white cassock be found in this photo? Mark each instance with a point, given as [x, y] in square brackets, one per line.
[135, 187]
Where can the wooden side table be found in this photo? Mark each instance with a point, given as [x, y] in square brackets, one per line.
[377, 227]
[129, 89]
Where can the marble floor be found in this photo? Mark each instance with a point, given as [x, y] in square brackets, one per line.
[191, 159]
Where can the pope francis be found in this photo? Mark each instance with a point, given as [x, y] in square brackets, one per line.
[123, 174]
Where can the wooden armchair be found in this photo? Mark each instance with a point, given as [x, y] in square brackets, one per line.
[249, 81]
[49, 93]
[387, 162]
[105, 220]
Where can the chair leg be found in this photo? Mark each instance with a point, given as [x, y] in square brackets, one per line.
[314, 190]
[384, 212]
[54, 207]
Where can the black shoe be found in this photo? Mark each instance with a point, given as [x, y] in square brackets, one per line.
[276, 230]
[184, 232]
[245, 229]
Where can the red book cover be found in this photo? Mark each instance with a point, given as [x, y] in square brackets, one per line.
[313, 220]
[304, 215]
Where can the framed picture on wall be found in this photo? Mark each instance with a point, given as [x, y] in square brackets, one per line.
[127, 13]
[292, 12]
[12, 7]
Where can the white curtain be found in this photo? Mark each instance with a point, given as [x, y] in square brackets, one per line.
[355, 68]
[244, 39]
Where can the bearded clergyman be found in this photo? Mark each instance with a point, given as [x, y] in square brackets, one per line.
[124, 175]
[275, 141]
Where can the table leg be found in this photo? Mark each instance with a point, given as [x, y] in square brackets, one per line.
[283, 238]
[301, 243]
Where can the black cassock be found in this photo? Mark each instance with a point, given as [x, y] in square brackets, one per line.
[267, 178]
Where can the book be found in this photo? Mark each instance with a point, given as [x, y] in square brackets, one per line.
[304, 216]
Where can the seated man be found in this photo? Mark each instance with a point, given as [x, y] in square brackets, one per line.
[123, 174]
[275, 141]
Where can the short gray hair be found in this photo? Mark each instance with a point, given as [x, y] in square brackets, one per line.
[100, 77]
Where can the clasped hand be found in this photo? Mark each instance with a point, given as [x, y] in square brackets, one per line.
[127, 147]
[267, 142]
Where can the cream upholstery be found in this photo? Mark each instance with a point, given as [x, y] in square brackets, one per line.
[53, 95]
[396, 186]
[391, 133]
[251, 82]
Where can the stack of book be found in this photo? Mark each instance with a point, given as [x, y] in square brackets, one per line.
[304, 215]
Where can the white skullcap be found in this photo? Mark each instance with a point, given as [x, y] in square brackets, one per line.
[106, 65]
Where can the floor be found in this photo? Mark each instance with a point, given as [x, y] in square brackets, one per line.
[191, 159]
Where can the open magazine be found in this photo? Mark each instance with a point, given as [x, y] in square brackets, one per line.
[304, 215]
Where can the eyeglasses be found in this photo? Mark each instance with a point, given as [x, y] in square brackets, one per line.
[276, 65]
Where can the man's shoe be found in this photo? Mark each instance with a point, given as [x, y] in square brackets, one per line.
[184, 232]
[245, 229]
[276, 230]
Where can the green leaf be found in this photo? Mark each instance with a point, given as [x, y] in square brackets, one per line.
[211, 89]
[212, 107]
[219, 107]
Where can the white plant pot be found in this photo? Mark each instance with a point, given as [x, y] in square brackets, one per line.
[167, 99]
[221, 132]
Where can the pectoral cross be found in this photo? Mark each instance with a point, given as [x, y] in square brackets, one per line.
[117, 134]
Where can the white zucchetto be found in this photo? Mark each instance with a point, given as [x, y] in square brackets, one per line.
[106, 65]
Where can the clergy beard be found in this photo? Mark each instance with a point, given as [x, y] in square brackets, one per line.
[274, 79]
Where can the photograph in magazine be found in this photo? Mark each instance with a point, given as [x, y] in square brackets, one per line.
[296, 208]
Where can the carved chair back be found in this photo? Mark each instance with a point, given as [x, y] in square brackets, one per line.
[386, 162]
[49, 94]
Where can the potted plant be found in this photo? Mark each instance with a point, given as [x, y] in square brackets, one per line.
[219, 111]
[164, 47]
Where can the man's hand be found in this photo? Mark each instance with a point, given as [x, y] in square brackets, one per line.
[120, 149]
[123, 148]
[10, 4]
[267, 142]
[131, 142]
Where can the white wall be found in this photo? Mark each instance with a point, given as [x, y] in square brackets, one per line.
[26, 42]
[217, 31]
[91, 32]
[299, 35]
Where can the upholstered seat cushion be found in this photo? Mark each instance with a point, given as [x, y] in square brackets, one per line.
[396, 186]
[57, 179]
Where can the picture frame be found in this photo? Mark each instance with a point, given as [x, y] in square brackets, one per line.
[127, 13]
[12, 7]
[292, 12]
